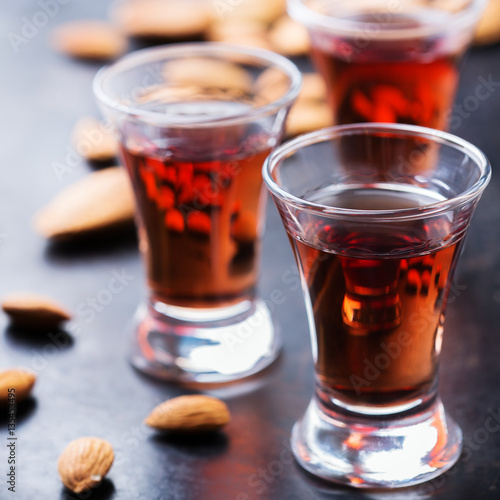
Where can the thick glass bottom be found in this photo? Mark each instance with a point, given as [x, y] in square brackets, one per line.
[204, 345]
[378, 452]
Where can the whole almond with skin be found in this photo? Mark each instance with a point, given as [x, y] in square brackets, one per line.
[289, 38]
[207, 73]
[89, 40]
[84, 463]
[264, 11]
[313, 88]
[93, 140]
[271, 84]
[225, 31]
[20, 380]
[197, 413]
[260, 41]
[30, 310]
[163, 18]
[308, 116]
[488, 29]
[101, 200]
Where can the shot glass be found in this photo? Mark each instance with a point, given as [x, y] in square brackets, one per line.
[389, 61]
[376, 215]
[196, 122]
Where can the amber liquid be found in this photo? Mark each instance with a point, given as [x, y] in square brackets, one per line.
[377, 295]
[409, 81]
[198, 222]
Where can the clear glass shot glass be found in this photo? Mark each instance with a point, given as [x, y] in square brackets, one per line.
[389, 61]
[376, 215]
[196, 122]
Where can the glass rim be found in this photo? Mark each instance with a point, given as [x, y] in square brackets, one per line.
[197, 49]
[465, 17]
[289, 148]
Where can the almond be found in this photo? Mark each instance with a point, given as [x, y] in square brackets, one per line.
[207, 73]
[89, 40]
[196, 413]
[20, 380]
[93, 140]
[271, 84]
[29, 310]
[264, 11]
[313, 88]
[163, 18]
[261, 41]
[488, 29]
[102, 200]
[289, 38]
[84, 463]
[226, 31]
[308, 116]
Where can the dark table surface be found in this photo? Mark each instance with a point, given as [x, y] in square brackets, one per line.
[85, 385]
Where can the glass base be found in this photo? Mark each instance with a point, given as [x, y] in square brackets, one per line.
[204, 345]
[380, 452]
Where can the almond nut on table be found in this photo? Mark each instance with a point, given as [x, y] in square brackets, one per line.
[163, 18]
[89, 40]
[196, 413]
[94, 140]
[84, 463]
[488, 29]
[34, 311]
[101, 200]
[21, 381]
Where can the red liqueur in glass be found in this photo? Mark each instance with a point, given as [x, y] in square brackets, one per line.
[198, 222]
[378, 296]
[389, 80]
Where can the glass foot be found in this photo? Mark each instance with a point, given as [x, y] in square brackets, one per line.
[377, 452]
[204, 345]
